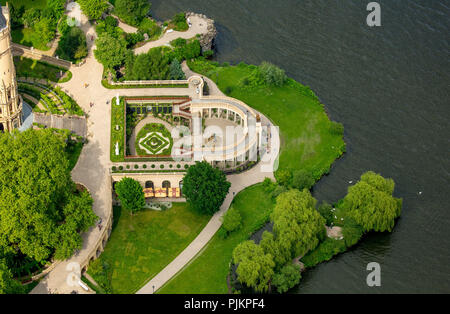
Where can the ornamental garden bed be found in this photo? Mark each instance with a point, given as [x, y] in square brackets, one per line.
[154, 140]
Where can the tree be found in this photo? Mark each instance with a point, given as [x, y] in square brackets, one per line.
[93, 8]
[272, 247]
[153, 65]
[79, 217]
[205, 187]
[255, 268]
[272, 74]
[324, 210]
[31, 17]
[302, 179]
[283, 177]
[131, 194]
[7, 284]
[370, 203]
[35, 187]
[72, 45]
[132, 11]
[110, 51]
[44, 28]
[232, 220]
[176, 73]
[288, 277]
[298, 227]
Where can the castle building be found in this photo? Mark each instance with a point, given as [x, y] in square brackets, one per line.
[10, 100]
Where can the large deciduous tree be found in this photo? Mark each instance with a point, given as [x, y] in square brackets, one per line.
[37, 214]
[298, 227]
[93, 8]
[255, 267]
[132, 11]
[110, 51]
[205, 187]
[130, 194]
[370, 203]
[7, 284]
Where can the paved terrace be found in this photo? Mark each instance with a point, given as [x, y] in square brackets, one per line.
[92, 169]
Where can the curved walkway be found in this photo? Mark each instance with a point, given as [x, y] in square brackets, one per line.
[199, 26]
[93, 166]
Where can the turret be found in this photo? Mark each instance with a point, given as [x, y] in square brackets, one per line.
[10, 101]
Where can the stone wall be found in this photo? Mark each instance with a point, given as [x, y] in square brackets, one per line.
[206, 40]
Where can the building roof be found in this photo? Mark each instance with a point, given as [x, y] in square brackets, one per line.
[2, 19]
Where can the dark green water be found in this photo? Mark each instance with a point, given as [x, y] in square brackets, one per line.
[389, 86]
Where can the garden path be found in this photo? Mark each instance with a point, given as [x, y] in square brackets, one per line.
[93, 167]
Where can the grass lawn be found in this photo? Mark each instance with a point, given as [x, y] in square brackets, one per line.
[306, 140]
[28, 37]
[207, 272]
[26, 67]
[39, 4]
[306, 143]
[117, 135]
[141, 245]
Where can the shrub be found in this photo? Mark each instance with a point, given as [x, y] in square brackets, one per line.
[144, 166]
[324, 210]
[336, 128]
[178, 166]
[136, 166]
[272, 74]
[153, 166]
[162, 166]
[287, 278]
[232, 220]
[283, 177]
[302, 179]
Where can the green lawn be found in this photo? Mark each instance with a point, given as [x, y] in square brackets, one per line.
[207, 272]
[141, 245]
[117, 129]
[26, 67]
[307, 143]
[306, 140]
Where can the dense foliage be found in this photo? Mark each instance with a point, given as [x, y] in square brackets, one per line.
[130, 194]
[255, 267]
[132, 11]
[205, 187]
[232, 220]
[371, 204]
[41, 212]
[110, 51]
[72, 44]
[93, 8]
[7, 284]
[287, 278]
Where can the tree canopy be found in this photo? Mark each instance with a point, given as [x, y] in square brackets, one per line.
[205, 187]
[7, 284]
[298, 226]
[110, 51]
[370, 203]
[93, 8]
[287, 278]
[132, 11]
[255, 267]
[130, 194]
[41, 213]
[72, 45]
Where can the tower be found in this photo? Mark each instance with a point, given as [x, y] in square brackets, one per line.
[10, 101]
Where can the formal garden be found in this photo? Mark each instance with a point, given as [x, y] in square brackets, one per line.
[154, 140]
